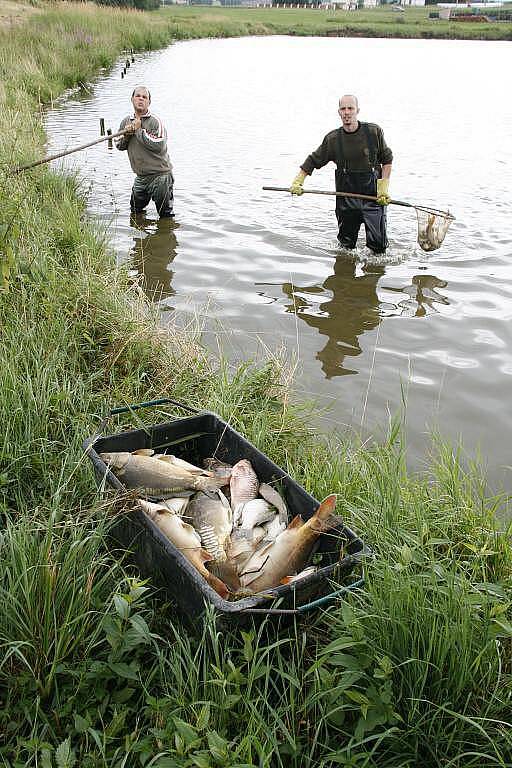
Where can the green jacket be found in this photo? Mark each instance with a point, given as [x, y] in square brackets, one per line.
[147, 147]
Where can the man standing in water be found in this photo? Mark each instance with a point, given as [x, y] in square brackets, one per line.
[363, 163]
[145, 140]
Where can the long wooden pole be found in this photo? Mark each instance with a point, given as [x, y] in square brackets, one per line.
[109, 137]
[446, 214]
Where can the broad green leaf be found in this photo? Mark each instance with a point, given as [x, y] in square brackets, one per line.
[122, 606]
[81, 724]
[126, 671]
[64, 755]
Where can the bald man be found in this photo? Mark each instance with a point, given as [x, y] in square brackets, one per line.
[363, 166]
[145, 140]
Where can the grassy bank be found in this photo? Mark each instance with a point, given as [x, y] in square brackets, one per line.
[382, 21]
[95, 669]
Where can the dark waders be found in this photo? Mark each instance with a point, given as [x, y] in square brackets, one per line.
[158, 188]
[350, 212]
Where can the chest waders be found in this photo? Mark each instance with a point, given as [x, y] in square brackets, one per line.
[350, 212]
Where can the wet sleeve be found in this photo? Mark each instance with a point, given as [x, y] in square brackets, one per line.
[123, 141]
[385, 153]
[319, 157]
[153, 135]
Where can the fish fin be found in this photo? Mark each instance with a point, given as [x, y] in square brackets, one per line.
[143, 452]
[255, 563]
[248, 578]
[223, 498]
[297, 522]
[225, 571]
[326, 507]
[192, 468]
[286, 580]
[218, 585]
[205, 556]
[274, 498]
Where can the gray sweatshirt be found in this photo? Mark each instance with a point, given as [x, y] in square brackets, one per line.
[147, 147]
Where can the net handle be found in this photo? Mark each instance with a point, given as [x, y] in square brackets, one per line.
[436, 211]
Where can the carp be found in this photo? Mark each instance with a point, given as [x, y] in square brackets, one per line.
[184, 538]
[212, 518]
[289, 553]
[156, 477]
[243, 484]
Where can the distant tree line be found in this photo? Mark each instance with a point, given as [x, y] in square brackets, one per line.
[143, 5]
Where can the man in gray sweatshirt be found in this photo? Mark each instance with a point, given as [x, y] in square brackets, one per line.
[145, 140]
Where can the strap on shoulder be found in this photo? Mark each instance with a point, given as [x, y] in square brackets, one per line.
[372, 146]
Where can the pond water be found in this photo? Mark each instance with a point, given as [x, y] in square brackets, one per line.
[261, 269]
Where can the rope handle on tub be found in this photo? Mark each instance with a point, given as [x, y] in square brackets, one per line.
[307, 606]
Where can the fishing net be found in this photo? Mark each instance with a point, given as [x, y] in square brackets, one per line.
[432, 227]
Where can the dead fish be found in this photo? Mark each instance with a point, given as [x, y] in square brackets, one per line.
[220, 469]
[270, 494]
[253, 513]
[212, 518]
[153, 477]
[186, 539]
[289, 553]
[176, 461]
[243, 484]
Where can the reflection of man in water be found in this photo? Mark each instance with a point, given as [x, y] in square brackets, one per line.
[352, 309]
[154, 251]
[423, 295]
[145, 140]
[363, 162]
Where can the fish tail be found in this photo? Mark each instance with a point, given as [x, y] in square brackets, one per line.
[324, 517]
[216, 584]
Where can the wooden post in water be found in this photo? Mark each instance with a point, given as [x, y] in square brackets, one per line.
[127, 64]
[109, 134]
[122, 74]
[102, 126]
[133, 57]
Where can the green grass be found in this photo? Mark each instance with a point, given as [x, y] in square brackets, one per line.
[381, 21]
[96, 668]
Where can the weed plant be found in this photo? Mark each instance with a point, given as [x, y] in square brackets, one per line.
[96, 666]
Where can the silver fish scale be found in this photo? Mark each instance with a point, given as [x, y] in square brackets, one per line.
[210, 541]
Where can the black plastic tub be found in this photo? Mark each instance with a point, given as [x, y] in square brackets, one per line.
[195, 438]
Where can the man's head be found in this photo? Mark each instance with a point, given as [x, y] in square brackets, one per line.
[348, 110]
[141, 99]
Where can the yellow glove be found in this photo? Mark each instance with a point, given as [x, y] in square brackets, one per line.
[383, 197]
[297, 187]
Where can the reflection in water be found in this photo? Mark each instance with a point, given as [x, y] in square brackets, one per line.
[154, 251]
[423, 295]
[352, 309]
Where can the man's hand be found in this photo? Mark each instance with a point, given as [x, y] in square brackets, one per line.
[383, 197]
[297, 186]
[132, 126]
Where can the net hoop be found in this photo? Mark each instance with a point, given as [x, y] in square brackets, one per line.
[433, 225]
